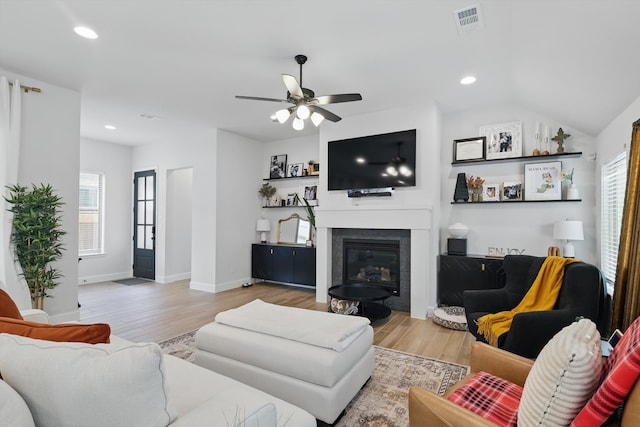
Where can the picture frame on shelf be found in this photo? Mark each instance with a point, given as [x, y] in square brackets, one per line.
[291, 199]
[310, 193]
[314, 169]
[469, 149]
[278, 166]
[511, 191]
[504, 141]
[491, 192]
[295, 170]
[542, 181]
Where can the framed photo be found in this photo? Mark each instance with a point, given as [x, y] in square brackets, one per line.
[504, 141]
[542, 181]
[468, 149]
[511, 191]
[491, 192]
[278, 166]
[311, 194]
[314, 169]
[295, 169]
[291, 199]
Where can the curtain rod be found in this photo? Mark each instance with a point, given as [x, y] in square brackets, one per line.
[28, 88]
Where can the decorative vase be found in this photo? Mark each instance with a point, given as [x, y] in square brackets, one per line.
[458, 230]
[573, 193]
[476, 195]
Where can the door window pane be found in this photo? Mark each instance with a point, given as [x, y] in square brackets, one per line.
[149, 185]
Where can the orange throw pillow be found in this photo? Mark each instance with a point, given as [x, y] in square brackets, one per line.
[67, 332]
[8, 308]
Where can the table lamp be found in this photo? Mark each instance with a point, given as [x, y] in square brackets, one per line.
[263, 225]
[568, 230]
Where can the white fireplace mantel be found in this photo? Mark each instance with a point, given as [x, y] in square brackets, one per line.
[414, 218]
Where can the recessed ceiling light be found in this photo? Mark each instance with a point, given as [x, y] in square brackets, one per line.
[86, 32]
[467, 80]
[110, 127]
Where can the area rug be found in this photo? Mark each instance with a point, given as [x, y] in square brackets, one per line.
[382, 402]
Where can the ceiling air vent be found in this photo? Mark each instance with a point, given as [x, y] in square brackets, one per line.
[468, 19]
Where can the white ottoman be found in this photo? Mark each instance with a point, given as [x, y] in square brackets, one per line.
[318, 379]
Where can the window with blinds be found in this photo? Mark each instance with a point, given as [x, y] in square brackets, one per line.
[91, 218]
[614, 182]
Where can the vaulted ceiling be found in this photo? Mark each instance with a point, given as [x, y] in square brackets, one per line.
[183, 61]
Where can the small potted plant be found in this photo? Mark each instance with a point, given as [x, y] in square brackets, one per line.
[266, 191]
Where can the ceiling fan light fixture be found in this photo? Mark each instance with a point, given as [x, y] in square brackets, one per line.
[282, 115]
[303, 112]
[317, 118]
[298, 124]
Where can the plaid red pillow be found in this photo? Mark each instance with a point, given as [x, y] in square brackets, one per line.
[491, 397]
[621, 372]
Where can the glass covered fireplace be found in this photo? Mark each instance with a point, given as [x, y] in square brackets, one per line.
[376, 262]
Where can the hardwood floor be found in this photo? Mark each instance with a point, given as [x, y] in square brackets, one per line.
[156, 312]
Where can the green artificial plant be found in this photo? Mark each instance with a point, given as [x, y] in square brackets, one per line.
[311, 215]
[36, 237]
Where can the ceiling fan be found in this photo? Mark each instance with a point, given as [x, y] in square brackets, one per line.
[397, 165]
[305, 103]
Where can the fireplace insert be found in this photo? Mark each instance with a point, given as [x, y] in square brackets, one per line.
[376, 262]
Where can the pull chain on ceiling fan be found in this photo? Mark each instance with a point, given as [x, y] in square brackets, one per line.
[305, 103]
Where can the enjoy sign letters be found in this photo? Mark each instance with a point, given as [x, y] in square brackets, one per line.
[504, 251]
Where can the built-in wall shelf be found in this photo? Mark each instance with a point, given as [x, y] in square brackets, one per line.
[282, 207]
[291, 177]
[518, 159]
[513, 201]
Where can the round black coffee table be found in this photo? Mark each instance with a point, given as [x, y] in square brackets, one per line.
[366, 295]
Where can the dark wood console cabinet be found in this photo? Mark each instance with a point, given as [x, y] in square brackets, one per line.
[283, 263]
[457, 274]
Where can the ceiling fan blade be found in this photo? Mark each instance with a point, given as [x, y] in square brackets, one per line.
[326, 114]
[334, 99]
[292, 86]
[257, 98]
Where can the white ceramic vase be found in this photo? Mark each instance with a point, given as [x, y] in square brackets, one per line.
[573, 193]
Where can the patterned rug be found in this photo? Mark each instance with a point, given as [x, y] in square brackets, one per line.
[382, 402]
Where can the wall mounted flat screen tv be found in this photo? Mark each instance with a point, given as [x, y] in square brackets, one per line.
[376, 161]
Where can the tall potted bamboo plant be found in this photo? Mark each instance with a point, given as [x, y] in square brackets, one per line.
[36, 237]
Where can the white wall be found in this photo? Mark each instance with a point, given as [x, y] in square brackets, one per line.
[49, 153]
[298, 150]
[114, 161]
[178, 224]
[522, 226]
[426, 120]
[239, 170]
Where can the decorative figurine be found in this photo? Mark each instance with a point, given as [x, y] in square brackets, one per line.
[559, 138]
[461, 193]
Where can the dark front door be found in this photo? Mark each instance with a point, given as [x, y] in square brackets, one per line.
[144, 225]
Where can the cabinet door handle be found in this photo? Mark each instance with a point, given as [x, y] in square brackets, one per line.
[483, 266]
[271, 251]
[294, 252]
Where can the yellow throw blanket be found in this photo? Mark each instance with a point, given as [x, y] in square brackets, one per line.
[541, 296]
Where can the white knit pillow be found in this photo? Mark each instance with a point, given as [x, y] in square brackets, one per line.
[76, 384]
[563, 377]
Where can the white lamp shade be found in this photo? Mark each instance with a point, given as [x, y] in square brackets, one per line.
[282, 115]
[298, 124]
[263, 225]
[568, 230]
[303, 112]
[317, 118]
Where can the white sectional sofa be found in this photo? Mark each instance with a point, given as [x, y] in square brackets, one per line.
[125, 384]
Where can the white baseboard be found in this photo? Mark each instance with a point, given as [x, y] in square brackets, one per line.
[174, 277]
[218, 287]
[104, 278]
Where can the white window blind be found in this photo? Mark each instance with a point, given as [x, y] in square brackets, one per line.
[614, 182]
[91, 213]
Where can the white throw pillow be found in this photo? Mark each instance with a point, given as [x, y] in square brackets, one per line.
[13, 411]
[76, 384]
[563, 377]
